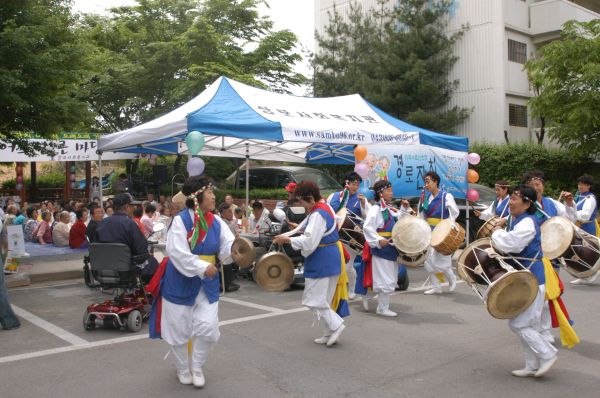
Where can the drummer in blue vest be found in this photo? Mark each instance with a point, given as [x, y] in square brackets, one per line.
[583, 210]
[190, 283]
[357, 204]
[522, 239]
[438, 206]
[322, 250]
[377, 229]
[499, 206]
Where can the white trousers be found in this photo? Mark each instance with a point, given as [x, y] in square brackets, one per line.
[350, 271]
[318, 293]
[437, 262]
[528, 326]
[199, 323]
[385, 279]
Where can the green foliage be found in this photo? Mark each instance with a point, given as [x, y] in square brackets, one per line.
[567, 77]
[398, 59]
[43, 59]
[50, 180]
[510, 162]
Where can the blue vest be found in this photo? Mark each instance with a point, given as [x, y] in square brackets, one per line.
[502, 207]
[326, 260]
[532, 250]
[589, 227]
[389, 252]
[180, 289]
[548, 207]
[353, 203]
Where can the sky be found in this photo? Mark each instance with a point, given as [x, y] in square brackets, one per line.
[295, 15]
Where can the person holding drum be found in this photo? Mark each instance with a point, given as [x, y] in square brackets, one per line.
[583, 210]
[499, 207]
[324, 259]
[357, 205]
[435, 208]
[377, 229]
[522, 240]
[186, 309]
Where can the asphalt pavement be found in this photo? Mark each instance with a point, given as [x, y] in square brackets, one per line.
[438, 346]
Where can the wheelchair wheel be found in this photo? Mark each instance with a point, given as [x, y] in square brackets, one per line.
[88, 322]
[134, 321]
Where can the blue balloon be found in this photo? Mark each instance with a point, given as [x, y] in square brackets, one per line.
[366, 192]
[195, 142]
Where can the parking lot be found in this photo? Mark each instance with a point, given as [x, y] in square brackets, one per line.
[438, 346]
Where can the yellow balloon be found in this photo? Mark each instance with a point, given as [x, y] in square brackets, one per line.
[472, 176]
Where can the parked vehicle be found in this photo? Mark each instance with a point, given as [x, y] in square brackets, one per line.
[279, 177]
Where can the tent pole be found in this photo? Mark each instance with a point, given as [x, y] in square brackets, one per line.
[247, 176]
[100, 177]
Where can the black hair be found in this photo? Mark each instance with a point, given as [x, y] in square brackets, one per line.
[257, 205]
[586, 179]
[533, 174]
[120, 201]
[30, 211]
[79, 213]
[45, 214]
[150, 208]
[138, 212]
[308, 189]
[434, 177]
[352, 176]
[527, 194]
[380, 186]
[224, 207]
[192, 185]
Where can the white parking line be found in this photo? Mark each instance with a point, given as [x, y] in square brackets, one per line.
[85, 344]
[49, 327]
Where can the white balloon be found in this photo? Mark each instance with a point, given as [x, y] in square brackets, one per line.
[195, 167]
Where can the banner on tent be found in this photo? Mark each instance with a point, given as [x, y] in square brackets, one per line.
[406, 166]
[67, 147]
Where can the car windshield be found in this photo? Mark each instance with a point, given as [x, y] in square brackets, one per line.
[323, 180]
[486, 194]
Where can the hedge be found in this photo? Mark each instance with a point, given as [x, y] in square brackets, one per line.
[509, 162]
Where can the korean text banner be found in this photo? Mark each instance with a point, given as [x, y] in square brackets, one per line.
[405, 167]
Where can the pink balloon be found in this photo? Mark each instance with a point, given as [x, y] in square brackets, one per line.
[362, 170]
[473, 158]
[472, 195]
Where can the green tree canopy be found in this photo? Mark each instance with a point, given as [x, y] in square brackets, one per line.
[398, 59]
[567, 77]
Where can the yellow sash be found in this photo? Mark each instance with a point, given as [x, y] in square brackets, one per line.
[568, 336]
[341, 288]
[385, 234]
[433, 221]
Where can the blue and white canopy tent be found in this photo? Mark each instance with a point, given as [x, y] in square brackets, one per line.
[238, 120]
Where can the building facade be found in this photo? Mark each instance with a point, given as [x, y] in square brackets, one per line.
[502, 36]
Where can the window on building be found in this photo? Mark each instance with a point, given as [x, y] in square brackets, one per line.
[517, 115]
[517, 51]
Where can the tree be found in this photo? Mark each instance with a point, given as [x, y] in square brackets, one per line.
[567, 76]
[159, 54]
[42, 62]
[398, 59]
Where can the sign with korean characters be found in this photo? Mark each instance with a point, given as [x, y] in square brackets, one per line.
[405, 166]
[72, 147]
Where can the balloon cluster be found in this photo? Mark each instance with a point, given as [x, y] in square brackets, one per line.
[361, 168]
[19, 170]
[195, 142]
[473, 176]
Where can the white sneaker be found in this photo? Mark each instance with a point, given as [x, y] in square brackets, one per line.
[365, 304]
[351, 295]
[433, 291]
[452, 284]
[198, 378]
[580, 282]
[548, 337]
[335, 335]
[321, 340]
[184, 376]
[387, 312]
[525, 372]
[545, 366]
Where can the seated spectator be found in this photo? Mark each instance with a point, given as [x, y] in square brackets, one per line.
[146, 219]
[20, 218]
[108, 211]
[137, 217]
[162, 200]
[229, 201]
[77, 236]
[31, 224]
[55, 218]
[43, 233]
[97, 216]
[11, 215]
[226, 213]
[259, 219]
[151, 199]
[60, 232]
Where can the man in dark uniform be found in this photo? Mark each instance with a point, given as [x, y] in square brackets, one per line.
[120, 228]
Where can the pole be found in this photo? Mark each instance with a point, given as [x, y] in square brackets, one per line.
[100, 177]
[247, 177]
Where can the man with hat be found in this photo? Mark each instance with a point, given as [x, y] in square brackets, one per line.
[292, 219]
[120, 228]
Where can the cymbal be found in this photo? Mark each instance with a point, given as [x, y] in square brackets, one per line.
[243, 252]
[274, 272]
